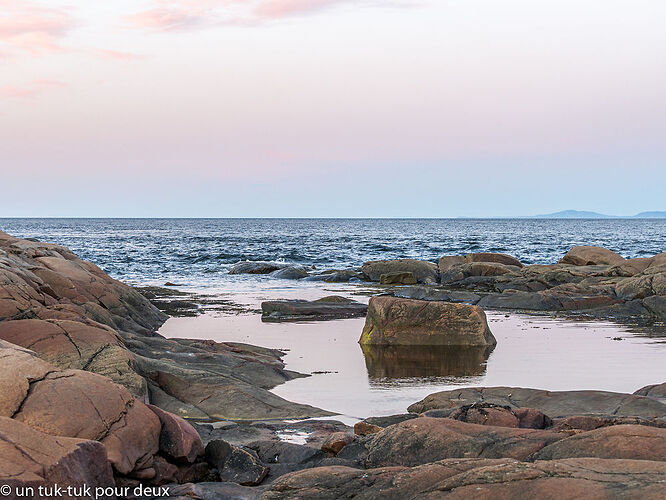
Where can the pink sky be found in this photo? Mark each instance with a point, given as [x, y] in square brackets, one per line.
[315, 93]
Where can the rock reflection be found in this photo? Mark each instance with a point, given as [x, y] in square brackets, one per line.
[402, 362]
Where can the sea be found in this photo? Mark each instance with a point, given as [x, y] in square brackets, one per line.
[532, 350]
[199, 252]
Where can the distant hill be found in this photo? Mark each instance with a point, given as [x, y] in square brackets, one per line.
[650, 215]
[583, 214]
[574, 214]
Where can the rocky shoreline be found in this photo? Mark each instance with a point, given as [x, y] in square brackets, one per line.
[91, 395]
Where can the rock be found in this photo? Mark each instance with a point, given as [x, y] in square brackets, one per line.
[638, 442]
[255, 267]
[389, 420]
[424, 439]
[560, 298]
[396, 321]
[655, 391]
[327, 308]
[30, 459]
[529, 418]
[211, 491]
[178, 439]
[656, 305]
[74, 344]
[650, 282]
[365, 429]
[436, 294]
[42, 396]
[472, 270]
[486, 414]
[423, 272]
[499, 258]
[630, 267]
[447, 262]
[502, 479]
[591, 422]
[290, 273]
[403, 278]
[555, 404]
[336, 276]
[272, 452]
[590, 256]
[336, 442]
[235, 464]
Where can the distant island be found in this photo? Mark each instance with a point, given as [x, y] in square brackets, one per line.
[583, 214]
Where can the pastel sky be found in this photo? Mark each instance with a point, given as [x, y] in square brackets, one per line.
[333, 108]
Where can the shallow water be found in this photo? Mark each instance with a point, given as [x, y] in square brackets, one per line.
[539, 352]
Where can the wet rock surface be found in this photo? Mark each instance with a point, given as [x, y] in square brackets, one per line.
[588, 281]
[326, 308]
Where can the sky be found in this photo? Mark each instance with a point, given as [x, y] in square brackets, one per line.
[331, 108]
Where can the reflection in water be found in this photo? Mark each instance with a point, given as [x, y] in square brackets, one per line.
[403, 362]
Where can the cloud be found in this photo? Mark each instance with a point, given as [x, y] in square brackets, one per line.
[26, 26]
[117, 55]
[31, 90]
[182, 15]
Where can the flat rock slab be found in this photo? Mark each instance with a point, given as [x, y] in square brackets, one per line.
[638, 442]
[423, 440]
[327, 308]
[397, 321]
[555, 404]
[503, 479]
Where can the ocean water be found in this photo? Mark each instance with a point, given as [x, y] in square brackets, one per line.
[199, 252]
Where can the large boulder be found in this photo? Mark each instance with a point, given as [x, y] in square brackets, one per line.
[74, 403]
[637, 442]
[178, 439]
[590, 256]
[423, 440]
[555, 404]
[423, 271]
[397, 321]
[30, 459]
[234, 464]
[499, 258]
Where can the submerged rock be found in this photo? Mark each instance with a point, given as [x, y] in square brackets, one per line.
[396, 321]
[255, 267]
[290, 273]
[331, 307]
